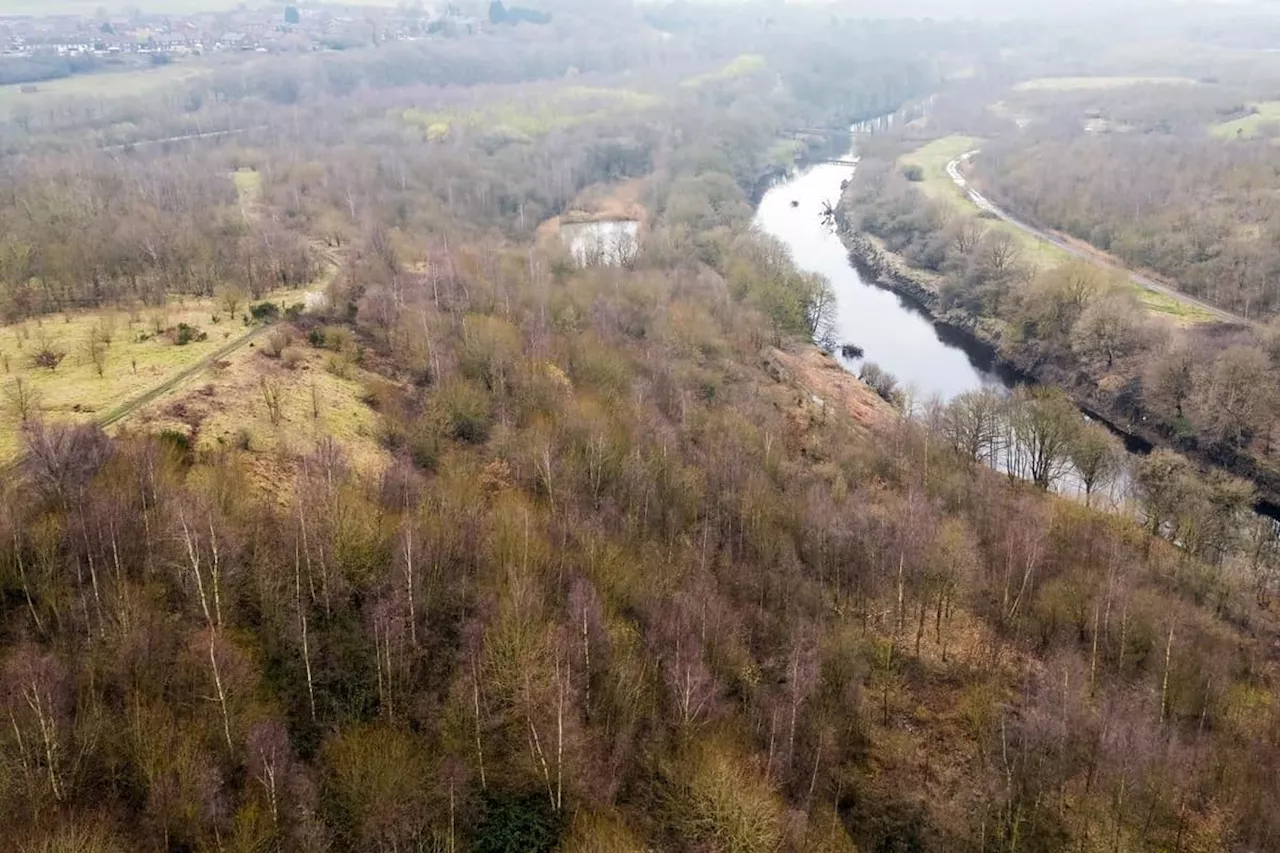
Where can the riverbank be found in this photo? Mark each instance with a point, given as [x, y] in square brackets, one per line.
[1118, 408]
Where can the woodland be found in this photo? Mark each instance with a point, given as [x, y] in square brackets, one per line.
[615, 579]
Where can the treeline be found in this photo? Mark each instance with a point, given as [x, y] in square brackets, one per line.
[94, 230]
[1200, 211]
[1209, 389]
[37, 69]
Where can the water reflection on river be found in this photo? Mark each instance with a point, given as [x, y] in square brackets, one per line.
[891, 332]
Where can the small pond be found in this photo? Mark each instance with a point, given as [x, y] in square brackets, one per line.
[607, 242]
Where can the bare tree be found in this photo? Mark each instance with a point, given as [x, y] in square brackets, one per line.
[22, 399]
[96, 345]
[272, 397]
[1236, 396]
[1044, 425]
[1109, 328]
[1097, 456]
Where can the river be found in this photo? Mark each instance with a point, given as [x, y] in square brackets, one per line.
[892, 333]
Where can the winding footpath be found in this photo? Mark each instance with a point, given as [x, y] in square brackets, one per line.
[985, 204]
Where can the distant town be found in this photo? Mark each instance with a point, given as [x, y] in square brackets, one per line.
[269, 29]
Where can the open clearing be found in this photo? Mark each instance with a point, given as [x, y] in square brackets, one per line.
[741, 66]
[144, 352]
[1062, 84]
[1266, 112]
[123, 83]
[532, 117]
[227, 406]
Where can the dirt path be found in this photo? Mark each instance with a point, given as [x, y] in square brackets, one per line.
[122, 412]
[1088, 253]
[150, 395]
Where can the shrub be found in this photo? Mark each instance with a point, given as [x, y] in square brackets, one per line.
[467, 412]
[48, 357]
[340, 365]
[292, 357]
[913, 173]
[178, 440]
[265, 311]
[881, 381]
[510, 822]
[277, 342]
[424, 444]
[185, 334]
[725, 804]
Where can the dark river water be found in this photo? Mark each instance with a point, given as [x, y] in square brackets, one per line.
[892, 333]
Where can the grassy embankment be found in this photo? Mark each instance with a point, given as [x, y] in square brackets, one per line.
[938, 185]
[1265, 112]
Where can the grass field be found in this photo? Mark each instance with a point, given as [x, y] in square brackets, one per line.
[1064, 84]
[1267, 112]
[1181, 313]
[104, 84]
[226, 407]
[741, 66]
[535, 116]
[143, 353]
[937, 184]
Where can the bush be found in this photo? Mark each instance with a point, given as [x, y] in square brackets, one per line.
[341, 365]
[185, 334]
[265, 311]
[881, 381]
[523, 822]
[467, 412]
[277, 342]
[424, 444]
[178, 440]
[725, 804]
[48, 357]
[913, 173]
[291, 357]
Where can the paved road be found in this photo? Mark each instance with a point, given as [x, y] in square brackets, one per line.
[984, 203]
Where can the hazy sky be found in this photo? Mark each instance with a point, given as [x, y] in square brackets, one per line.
[894, 8]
